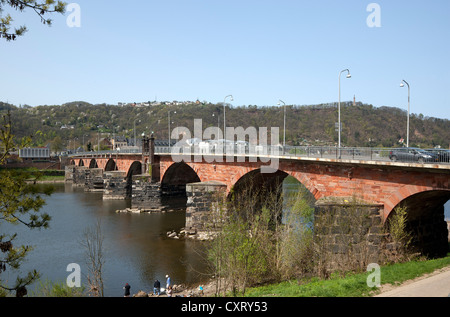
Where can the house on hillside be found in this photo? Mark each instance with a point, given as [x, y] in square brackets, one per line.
[119, 142]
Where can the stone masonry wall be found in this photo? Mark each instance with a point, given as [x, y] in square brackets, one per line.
[79, 176]
[94, 180]
[199, 212]
[69, 171]
[146, 195]
[115, 186]
[348, 235]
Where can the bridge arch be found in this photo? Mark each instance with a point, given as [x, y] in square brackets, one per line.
[81, 162]
[110, 166]
[409, 191]
[176, 177]
[135, 169]
[425, 221]
[278, 189]
[93, 163]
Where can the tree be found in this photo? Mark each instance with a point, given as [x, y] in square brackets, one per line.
[18, 199]
[57, 144]
[256, 240]
[93, 245]
[42, 9]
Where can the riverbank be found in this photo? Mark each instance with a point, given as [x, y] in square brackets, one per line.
[54, 181]
[393, 277]
[207, 289]
[353, 284]
[36, 176]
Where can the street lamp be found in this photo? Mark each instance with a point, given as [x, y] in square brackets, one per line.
[135, 131]
[339, 107]
[224, 122]
[284, 123]
[74, 145]
[170, 136]
[409, 102]
[83, 139]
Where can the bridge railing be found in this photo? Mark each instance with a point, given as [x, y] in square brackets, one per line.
[325, 152]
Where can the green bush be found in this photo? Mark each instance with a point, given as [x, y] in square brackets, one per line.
[59, 289]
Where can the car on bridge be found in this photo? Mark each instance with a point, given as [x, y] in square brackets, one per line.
[443, 154]
[412, 155]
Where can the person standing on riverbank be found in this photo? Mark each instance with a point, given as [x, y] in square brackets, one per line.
[168, 282]
[157, 288]
[127, 290]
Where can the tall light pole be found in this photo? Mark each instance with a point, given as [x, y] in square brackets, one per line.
[135, 131]
[409, 104]
[224, 121]
[74, 145]
[339, 107]
[83, 139]
[170, 135]
[284, 123]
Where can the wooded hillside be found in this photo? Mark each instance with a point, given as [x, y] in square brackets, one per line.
[363, 125]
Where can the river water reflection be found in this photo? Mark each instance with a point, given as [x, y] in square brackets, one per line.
[136, 248]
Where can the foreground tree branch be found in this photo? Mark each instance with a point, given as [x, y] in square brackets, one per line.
[18, 200]
[41, 8]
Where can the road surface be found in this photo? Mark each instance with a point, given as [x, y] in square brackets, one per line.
[436, 284]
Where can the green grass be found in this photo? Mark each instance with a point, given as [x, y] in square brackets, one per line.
[44, 175]
[51, 178]
[353, 285]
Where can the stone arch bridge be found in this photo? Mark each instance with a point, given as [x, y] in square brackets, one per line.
[147, 177]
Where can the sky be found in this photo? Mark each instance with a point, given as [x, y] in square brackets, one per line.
[259, 51]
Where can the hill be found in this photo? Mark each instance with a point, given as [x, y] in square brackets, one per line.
[363, 125]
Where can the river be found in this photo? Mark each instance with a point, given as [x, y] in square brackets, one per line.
[136, 248]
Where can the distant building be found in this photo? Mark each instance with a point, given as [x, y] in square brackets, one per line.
[105, 143]
[119, 142]
[34, 153]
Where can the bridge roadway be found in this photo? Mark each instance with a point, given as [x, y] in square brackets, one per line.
[357, 154]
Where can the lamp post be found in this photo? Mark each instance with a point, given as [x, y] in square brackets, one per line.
[170, 136]
[135, 131]
[284, 123]
[409, 101]
[83, 139]
[339, 107]
[74, 145]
